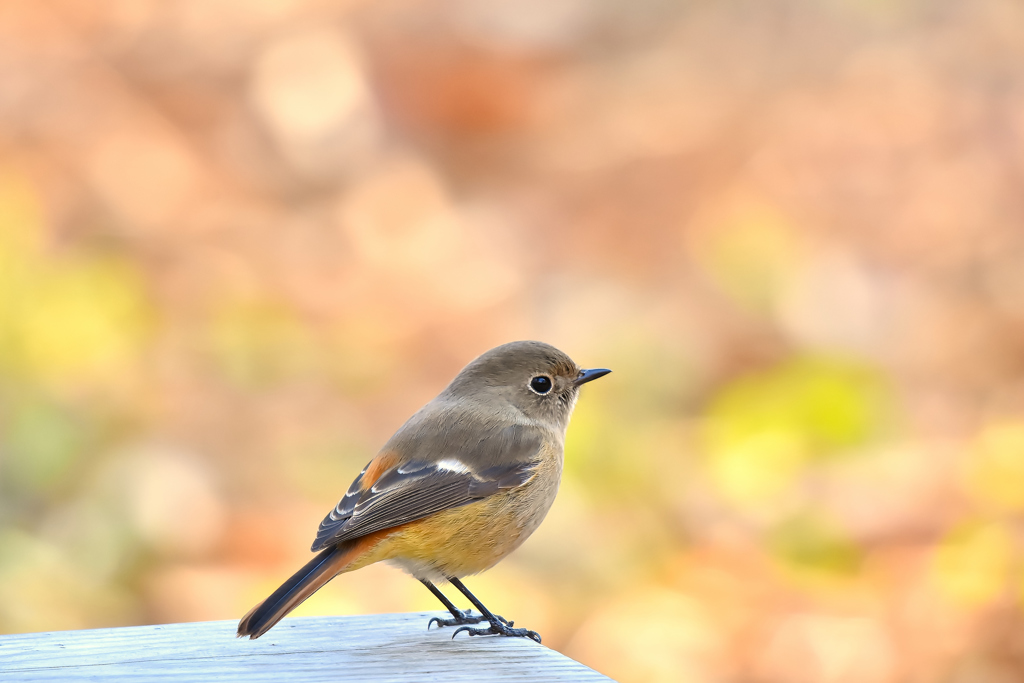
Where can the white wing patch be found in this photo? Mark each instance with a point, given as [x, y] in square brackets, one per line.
[451, 465]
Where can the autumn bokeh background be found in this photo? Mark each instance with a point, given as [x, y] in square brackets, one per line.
[240, 242]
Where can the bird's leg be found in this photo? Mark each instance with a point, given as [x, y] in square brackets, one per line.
[499, 626]
[460, 618]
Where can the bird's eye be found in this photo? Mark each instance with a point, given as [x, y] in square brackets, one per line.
[541, 384]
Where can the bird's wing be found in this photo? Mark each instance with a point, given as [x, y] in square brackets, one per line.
[392, 490]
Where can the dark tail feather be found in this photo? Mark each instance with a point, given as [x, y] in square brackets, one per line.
[292, 592]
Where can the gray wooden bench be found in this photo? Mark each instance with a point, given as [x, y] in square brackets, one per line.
[384, 647]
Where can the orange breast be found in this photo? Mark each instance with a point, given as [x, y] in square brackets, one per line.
[472, 538]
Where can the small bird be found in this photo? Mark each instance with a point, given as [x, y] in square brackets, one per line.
[457, 488]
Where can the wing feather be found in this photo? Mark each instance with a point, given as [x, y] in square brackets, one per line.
[399, 497]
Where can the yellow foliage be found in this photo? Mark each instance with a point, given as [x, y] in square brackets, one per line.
[995, 471]
[63, 320]
[762, 430]
[972, 565]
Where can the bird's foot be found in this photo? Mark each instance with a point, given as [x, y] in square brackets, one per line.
[464, 618]
[499, 628]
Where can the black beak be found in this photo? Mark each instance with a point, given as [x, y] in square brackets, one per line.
[589, 375]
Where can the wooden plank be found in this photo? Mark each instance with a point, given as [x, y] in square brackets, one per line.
[383, 647]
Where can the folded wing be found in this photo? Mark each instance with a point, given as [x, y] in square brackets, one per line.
[414, 490]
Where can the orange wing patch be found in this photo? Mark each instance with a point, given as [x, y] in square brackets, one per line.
[381, 463]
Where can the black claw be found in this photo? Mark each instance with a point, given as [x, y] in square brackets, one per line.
[499, 628]
[466, 617]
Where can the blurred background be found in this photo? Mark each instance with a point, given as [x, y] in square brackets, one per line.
[241, 241]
